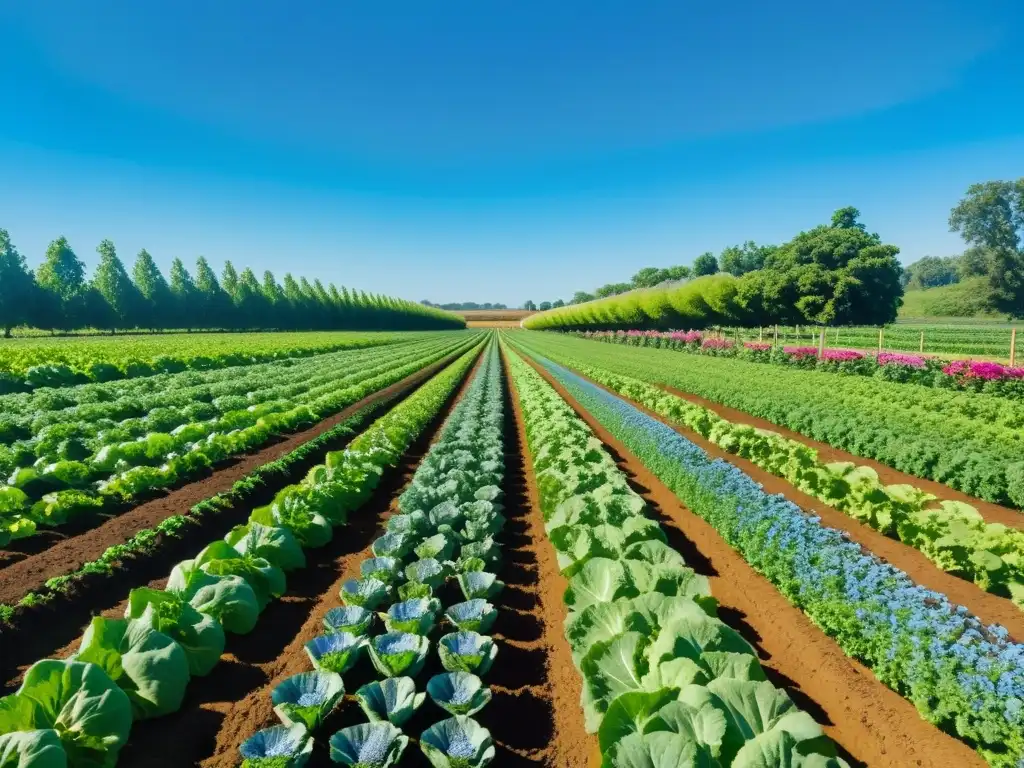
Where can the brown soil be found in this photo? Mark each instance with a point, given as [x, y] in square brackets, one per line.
[872, 724]
[226, 707]
[993, 513]
[38, 631]
[990, 608]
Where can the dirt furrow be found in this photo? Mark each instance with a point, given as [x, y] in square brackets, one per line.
[872, 724]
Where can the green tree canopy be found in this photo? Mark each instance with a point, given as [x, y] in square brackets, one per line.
[992, 216]
[18, 299]
[836, 274]
[184, 296]
[739, 259]
[705, 264]
[61, 277]
[932, 271]
[156, 306]
[581, 297]
[112, 283]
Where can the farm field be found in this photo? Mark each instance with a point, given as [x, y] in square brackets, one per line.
[494, 318]
[514, 547]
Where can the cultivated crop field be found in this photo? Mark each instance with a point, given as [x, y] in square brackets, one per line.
[501, 546]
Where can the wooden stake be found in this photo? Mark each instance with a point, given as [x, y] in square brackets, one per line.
[1013, 347]
[821, 344]
[776, 335]
[879, 339]
[922, 342]
[760, 333]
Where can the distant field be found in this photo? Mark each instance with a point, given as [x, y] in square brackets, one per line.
[494, 318]
[949, 303]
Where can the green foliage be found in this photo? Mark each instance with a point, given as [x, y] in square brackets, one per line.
[705, 264]
[932, 271]
[970, 297]
[992, 216]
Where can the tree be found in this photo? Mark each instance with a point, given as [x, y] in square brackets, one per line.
[229, 284]
[705, 264]
[740, 259]
[184, 296]
[581, 297]
[529, 305]
[545, 306]
[932, 271]
[836, 274]
[973, 262]
[647, 277]
[212, 305]
[61, 277]
[18, 300]
[119, 294]
[156, 305]
[613, 289]
[555, 304]
[992, 216]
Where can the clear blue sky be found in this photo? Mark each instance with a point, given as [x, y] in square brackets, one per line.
[496, 151]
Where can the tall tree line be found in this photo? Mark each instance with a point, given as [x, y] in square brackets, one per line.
[59, 296]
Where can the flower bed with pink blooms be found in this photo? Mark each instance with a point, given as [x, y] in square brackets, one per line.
[976, 376]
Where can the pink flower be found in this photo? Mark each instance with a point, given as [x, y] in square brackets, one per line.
[986, 371]
[841, 355]
[895, 358]
[801, 351]
[757, 346]
[717, 344]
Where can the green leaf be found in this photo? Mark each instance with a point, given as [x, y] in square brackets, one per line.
[39, 749]
[630, 712]
[657, 750]
[150, 667]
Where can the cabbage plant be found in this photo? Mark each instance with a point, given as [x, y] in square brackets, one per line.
[467, 652]
[393, 699]
[280, 746]
[199, 634]
[366, 593]
[307, 698]
[272, 543]
[395, 545]
[476, 615]
[479, 584]
[73, 713]
[415, 615]
[458, 693]
[150, 667]
[427, 571]
[438, 546]
[414, 589]
[336, 652]
[384, 569]
[228, 599]
[369, 745]
[266, 579]
[399, 653]
[458, 742]
[351, 618]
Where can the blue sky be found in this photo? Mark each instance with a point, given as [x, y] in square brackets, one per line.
[496, 151]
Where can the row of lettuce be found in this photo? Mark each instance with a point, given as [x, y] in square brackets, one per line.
[78, 712]
[443, 534]
[952, 534]
[32, 364]
[963, 676]
[970, 375]
[665, 682]
[971, 442]
[122, 442]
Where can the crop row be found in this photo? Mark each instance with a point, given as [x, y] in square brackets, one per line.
[971, 442]
[951, 534]
[444, 531]
[665, 681]
[30, 363]
[963, 676]
[78, 712]
[990, 378]
[81, 467]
